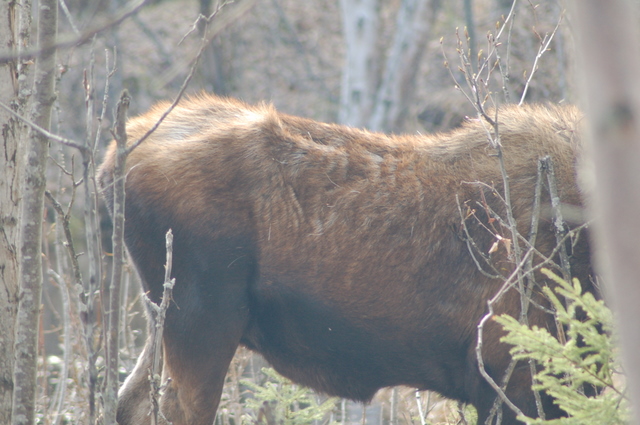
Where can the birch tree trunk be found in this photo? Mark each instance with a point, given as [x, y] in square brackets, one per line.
[371, 98]
[410, 41]
[31, 212]
[9, 204]
[611, 64]
[361, 25]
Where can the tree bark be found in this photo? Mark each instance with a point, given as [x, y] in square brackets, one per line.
[31, 213]
[409, 44]
[10, 175]
[111, 297]
[611, 64]
[211, 71]
[370, 97]
[361, 24]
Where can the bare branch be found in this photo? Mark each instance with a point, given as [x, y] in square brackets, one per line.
[67, 14]
[57, 402]
[64, 219]
[42, 131]
[508, 284]
[158, 314]
[49, 46]
[558, 220]
[503, 66]
[203, 44]
[473, 248]
[541, 51]
[112, 298]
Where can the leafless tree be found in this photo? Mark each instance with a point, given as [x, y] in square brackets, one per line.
[31, 213]
[10, 184]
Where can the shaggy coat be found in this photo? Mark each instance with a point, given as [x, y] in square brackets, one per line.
[340, 255]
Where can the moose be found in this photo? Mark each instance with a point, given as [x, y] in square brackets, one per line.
[345, 257]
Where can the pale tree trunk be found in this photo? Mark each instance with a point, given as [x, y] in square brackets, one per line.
[9, 204]
[31, 212]
[211, 72]
[398, 82]
[377, 95]
[112, 290]
[610, 54]
[10, 194]
[361, 25]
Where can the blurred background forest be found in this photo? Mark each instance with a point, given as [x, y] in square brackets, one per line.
[292, 54]
[296, 55]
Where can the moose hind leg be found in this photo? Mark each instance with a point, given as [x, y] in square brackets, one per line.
[134, 403]
[192, 385]
[203, 328]
[194, 381]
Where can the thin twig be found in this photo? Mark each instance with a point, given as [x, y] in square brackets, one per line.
[504, 68]
[67, 14]
[65, 219]
[46, 133]
[112, 291]
[203, 44]
[541, 51]
[110, 72]
[58, 402]
[531, 282]
[157, 317]
[473, 248]
[423, 418]
[93, 240]
[558, 220]
[505, 287]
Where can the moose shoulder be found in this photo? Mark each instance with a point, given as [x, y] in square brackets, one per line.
[343, 256]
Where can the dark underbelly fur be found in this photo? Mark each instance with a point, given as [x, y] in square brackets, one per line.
[314, 345]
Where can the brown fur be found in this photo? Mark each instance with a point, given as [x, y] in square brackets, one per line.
[336, 253]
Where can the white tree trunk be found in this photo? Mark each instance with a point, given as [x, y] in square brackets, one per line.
[376, 95]
[610, 54]
[409, 44]
[31, 213]
[361, 24]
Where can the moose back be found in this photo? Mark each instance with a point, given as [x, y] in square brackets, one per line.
[350, 260]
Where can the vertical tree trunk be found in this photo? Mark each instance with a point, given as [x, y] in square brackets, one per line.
[10, 176]
[374, 99]
[611, 64]
[211, 71]
[111, 296]
[361, 24]
[31, 212]
[412, 33]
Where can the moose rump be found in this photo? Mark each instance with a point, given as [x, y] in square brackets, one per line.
[342, 256]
